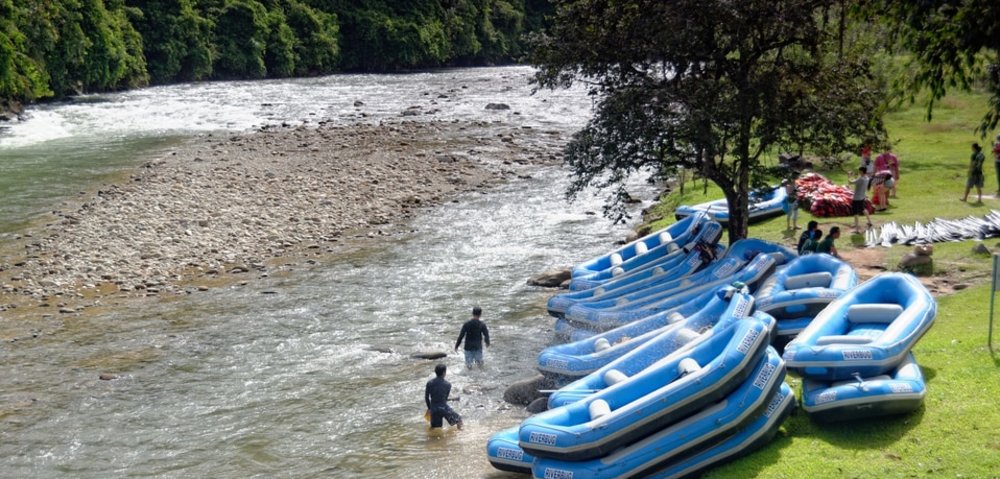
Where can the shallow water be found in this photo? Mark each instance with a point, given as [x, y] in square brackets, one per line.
[283, 377]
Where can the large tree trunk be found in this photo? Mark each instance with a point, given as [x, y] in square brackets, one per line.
[738, 215]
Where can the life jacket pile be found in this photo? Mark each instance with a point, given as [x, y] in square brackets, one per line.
[824, 198]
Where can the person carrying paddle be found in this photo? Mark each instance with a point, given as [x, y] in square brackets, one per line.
[475, 333]
[436, 397]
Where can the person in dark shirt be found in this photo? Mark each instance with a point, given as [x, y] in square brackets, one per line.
[809, 247]
[807, 234]
[475, 333]
[436, 397]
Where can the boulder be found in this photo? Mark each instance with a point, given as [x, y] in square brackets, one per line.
[538, 405]
[980, 249]
[551, 279]
[526, 391]
[923, 249]
[916, 263]
[428, 355]
[497, 106]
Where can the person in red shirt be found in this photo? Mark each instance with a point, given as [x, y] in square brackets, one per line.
[996, 161]
[888, 161]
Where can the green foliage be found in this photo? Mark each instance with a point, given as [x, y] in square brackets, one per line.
[21, 77]
[240, 40]
[177, 39]
[316, 47]
[955, 44]
[709, 86]
[64, 47]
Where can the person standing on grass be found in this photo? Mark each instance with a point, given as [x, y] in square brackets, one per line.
[866, 158]
[889, 161]
[436, 398]
[791, 205]
[975, 172]
[860, 196]
[475, 333]
[827, 246]
[996, 161]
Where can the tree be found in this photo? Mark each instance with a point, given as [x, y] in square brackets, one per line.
[951, 42]
[708, 85]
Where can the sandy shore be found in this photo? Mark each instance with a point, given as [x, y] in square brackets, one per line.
[225, 209]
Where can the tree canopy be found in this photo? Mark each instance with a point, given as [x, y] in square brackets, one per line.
[714, 86]
[954, 43]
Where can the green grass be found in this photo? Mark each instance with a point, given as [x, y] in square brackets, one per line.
[957, 432]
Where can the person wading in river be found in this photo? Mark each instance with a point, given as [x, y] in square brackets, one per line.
[475, 333]
[436, 397]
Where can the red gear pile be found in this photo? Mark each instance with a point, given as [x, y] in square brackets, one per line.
[824, 198]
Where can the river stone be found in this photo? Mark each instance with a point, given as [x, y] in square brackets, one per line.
[527, 390]
[538, 405]
[551, 278]
[497, 106]
[429, 355]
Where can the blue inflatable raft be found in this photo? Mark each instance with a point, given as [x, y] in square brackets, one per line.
[866, 332]
[676, 265]
[641, 252]
[504, 453]
[566, 330]
[652, 399]
[746, 440]
[745, 253]
[763, 205]
[796, 293]
[660, 447]
[587, 363]
[899, 392]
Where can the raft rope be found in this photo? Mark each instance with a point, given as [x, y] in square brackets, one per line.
[939, 230]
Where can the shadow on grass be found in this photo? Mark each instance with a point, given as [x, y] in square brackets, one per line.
[868, 433]
[929, 373]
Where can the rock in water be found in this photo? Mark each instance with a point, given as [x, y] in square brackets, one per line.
[538, 405]
[525, 391]
[429, 355]
[551, 279]
[497, 106]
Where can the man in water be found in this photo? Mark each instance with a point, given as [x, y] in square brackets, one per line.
[436, 397]
[475, 333]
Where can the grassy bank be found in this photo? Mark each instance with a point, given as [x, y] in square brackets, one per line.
[956, 433]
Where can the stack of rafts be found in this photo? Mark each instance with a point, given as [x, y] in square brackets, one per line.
[708, 401]
[855, 355]
[671, 372]
[671, 369]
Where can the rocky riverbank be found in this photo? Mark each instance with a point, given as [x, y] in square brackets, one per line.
[225, 209]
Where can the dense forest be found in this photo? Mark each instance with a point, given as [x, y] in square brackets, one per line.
[55, 48]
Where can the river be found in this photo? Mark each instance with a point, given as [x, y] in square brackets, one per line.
[305, 374]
